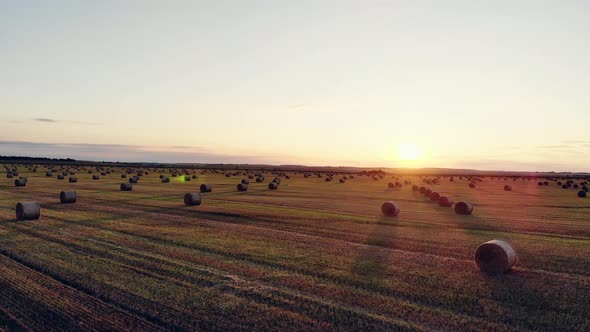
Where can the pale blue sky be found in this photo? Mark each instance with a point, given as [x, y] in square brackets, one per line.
[501, 85]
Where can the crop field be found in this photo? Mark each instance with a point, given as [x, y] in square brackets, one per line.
[312, 255]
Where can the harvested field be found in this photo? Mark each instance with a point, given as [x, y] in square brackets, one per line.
[310, 256]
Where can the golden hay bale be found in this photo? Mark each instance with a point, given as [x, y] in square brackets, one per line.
[390, 209]
[28, 211]
[445, 201]
[507, 188]
[495, 256]
[73, 179]
[273, 186]
[242, 187]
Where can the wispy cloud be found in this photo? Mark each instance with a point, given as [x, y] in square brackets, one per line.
[46, 120]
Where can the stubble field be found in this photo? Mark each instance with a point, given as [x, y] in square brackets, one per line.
[312, 255]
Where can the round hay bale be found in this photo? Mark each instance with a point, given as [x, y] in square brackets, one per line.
[195, 176]
[60, 177]
[422, 190]
[546, 183]
[390, 209]
[342, 181]
[191, 199]
[20, 183]
[273, 186]
[133, 179]
[582, 194]
[244, 181]
[507, 188]
[95, 177]
[28, 211]
[495, 256]
[165, 179]
[472, 185]
[575, 186]
[242, 187]
[415, 188]
[390, 185]
[434, 196]
[427, 192]
[564, 186]
[48, 174]
[126, 187]
[206, 188]
[73, 179]
[464, 208]
[187, 178]
[445, 201]
[123, 176]
[67, 197]
[9, 175]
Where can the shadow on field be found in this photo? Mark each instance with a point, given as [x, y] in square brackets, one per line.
[527, 300]
[371, 264]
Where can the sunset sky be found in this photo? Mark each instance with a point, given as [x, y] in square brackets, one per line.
[501, 85]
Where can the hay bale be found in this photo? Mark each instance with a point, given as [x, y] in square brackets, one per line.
[244, 181]
[472, 185]
[342, 181]
[20, 183]
[242, 187]
[133, 179]
[390, 209]
[464, 208]
[73, 179]
[564, 186]
[9, 175]
[422, 190]
[507, 188]
[445, 201]
[582, 194]
[95, 177]
[60, 177]
[67, 197]
[48, 174]
[434, 196]
[259, 179]
[495, 256]
[390, 185]
[191, 199]
[273, 186]
[187, 178]
[165, 179]
[126, 187]
[123, 176]
[427, 192]
[415, 188]
[28, 210]
[206, 188]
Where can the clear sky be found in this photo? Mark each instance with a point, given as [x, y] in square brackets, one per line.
[470, 84]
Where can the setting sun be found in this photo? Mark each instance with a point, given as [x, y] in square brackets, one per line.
[409, 151]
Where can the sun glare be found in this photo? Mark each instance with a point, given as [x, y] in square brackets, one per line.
[409, 151]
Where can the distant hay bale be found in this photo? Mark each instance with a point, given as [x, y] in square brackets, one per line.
[244, 181]
[582, 194]
[123, 176]
[67, 197]
[165, 179]
[28, 210]
[342, 181]
[328, 179]
[434, 196]
[259, 179]
[195, 176]
[73, 179]
[464, 208]
[206, 188]
[242, 187]
[564, 186]
[187, 178]
[60, 177]
[546, 183]
[273, 186]
[390, 209]
[390, 185]
[20, 183]
[95, 177]
[9, 175]
[126, 187]
[415, 188]
[427, 192]
[575, 186]
[48, 174]
[495, 256]
[507, 188]
[133, 179]
[445, 201]
[472, 185]
[422, 190]
[191, 199]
